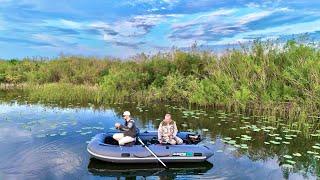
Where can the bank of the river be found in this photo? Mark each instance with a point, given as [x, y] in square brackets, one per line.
[264, 79]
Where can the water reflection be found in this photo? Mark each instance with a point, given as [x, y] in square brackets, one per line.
[100, 168]
[49, 141]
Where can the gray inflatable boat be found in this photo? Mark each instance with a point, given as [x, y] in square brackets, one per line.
[105, 148]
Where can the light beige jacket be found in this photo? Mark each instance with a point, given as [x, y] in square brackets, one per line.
[167, 130]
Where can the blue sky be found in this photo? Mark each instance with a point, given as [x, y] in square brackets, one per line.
[123, 28]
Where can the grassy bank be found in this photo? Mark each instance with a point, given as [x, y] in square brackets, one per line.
[264, 78]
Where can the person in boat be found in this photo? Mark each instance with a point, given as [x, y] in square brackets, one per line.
[129, 130]
[167, 131]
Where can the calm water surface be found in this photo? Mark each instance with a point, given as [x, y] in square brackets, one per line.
[48, 141]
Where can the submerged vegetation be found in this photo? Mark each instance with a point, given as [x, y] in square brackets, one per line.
[265, 78]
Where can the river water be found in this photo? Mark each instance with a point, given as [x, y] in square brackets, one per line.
[48, 141]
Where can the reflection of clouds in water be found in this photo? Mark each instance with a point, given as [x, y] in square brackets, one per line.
[43, 161]
[14, 134]
[66, 162]
[5, 109]
[300, 176]
[228, 167]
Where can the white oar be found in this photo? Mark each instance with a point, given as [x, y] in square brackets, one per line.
[152, 152]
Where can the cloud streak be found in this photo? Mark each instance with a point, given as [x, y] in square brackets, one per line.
[112, 27]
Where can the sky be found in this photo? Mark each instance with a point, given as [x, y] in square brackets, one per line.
[123, 28]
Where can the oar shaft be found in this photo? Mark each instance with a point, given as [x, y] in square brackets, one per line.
[152, 153]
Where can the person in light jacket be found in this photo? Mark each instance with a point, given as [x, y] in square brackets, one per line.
[167, 131]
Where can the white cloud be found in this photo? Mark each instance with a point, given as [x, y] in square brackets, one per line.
[122, 32]
[259, 15]
[53, 40]
[171, 3]
[109, 38]
[130, 31]
[205, 18]
[253, 5]
[213, 26]
[62, 23]
[274, 32]
[71, 24]
[253, 17]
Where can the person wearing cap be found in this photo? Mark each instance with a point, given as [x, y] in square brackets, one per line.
[129, 131]
[167, 131]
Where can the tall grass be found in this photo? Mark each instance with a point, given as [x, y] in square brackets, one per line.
[64, 93]
[263, 79]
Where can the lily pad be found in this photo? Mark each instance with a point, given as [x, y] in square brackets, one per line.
[317, 156]
[287, 156]
[312, 152]
[85, 133]
[291, 162]
[316, 147]
[243, 146]
[288, 166]
[63, 133]
[275, 142]
[296, 154]
[231, 142]
[40, 135]
[184, 125]
[246, 137]
[232, 149]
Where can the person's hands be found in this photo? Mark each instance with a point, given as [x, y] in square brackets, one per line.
[117, 125]
[160, 141]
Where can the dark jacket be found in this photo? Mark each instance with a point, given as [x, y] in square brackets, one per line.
[129, 128]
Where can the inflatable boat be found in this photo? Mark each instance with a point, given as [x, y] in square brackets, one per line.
[105, 148]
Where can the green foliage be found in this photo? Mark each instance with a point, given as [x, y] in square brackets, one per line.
[263, 74]
[61, 92]
[178, 87]
[124, 80]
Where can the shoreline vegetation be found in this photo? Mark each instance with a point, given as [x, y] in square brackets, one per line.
[263, 79]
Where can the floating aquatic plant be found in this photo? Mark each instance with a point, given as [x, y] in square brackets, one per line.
[296, 154]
